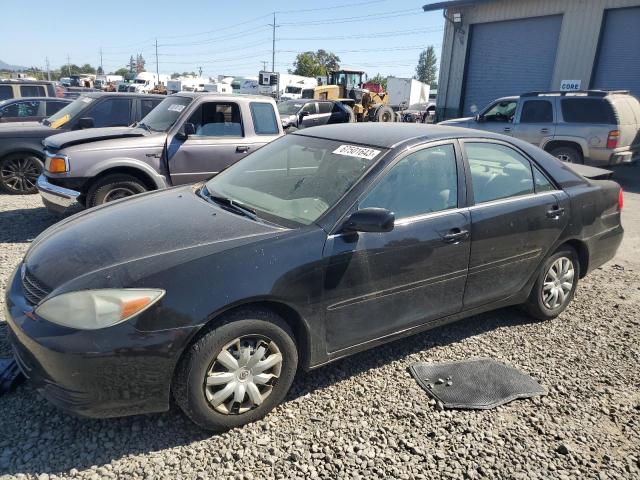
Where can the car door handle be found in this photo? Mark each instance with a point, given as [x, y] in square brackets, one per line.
[544, 130]
[242, 148]
[555, 212]
[455, 235]
[507, 129]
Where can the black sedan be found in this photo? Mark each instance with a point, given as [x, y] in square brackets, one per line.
[323, 243]
[297, 114]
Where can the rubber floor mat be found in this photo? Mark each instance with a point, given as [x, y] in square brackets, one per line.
[474, 384]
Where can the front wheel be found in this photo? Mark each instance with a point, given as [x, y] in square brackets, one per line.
[113, 187]
[238, 371]
[385, 114]
[19, 173]
[556, 284]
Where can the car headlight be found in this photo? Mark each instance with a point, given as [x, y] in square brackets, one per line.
[56, 163]
[94, 309]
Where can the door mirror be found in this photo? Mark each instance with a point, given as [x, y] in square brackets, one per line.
[303, 114]
[370, 220]
[478, 118]
[187, 129]
[86, 122]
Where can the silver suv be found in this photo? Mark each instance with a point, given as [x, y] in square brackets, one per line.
[598, 126]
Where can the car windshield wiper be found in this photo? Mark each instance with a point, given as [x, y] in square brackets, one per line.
[45, 122]
[231, 204]
[145, 126]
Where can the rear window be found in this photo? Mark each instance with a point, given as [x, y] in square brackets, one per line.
[587, 110]
[32, 91]
[6, 92]
[325, 107]
[264, 119]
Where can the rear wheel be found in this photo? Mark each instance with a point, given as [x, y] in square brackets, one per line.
[556, 284]
[567, 154]
[19, 173]
[113, 187]
[238, 371]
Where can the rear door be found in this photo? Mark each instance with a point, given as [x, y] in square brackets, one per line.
[220, 140]
[535, 121]
[324, 113]
[516, 216]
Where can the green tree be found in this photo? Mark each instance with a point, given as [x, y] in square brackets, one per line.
[86, 68]
[380, 80]
[315, 64]
[123, 72]
[329, 61]
[427, 68]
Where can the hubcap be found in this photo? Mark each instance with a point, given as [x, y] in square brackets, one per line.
[118, 193]
[243, 374]
[564, 158]
[20, 174]
[558, 283]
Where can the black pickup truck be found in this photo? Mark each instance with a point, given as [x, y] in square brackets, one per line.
[21, 151]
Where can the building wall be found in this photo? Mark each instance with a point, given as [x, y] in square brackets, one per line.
[577, 47]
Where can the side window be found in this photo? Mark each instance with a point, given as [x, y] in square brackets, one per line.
[587, 110]
[500, 112]
[542, 183]
[498, 172]
[422, 182]
[32, 91]
[264, 118]
[213, 119]
[111, 113]
[324, 107]
[537, 111]
[54, 107]
[309, 107]
[6, 92]
[21, 109]
[146, 105]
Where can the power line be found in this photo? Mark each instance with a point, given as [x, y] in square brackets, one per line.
[359, 18]
[367, 35]
[342, 5]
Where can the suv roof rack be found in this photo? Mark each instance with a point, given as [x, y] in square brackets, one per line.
[591, 93]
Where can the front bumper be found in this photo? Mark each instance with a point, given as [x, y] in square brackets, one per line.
[112, 372]
[57, 199]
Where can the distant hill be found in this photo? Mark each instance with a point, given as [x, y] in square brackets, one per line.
[6, 66]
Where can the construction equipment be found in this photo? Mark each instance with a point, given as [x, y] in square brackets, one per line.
[346, 86]
[159, 89]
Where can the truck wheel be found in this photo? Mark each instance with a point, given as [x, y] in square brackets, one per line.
[385, 114]
[567, 154]
[113, 187]
[19, 173]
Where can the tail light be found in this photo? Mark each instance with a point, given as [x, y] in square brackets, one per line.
[620, 199]
[612, 139]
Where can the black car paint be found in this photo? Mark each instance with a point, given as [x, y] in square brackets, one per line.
[341, 293]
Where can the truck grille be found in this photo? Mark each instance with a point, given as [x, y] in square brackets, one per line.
[33, 289]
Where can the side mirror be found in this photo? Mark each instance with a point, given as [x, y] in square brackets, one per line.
[187, 129]
[86, 122]
[303, 114]
[478, 118]
[370, 220]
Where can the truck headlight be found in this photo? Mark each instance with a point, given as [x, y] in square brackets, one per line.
[94, 309]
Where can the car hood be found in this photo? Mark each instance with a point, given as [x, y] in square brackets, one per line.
[25, 129]
[118, 244]
[76, 137]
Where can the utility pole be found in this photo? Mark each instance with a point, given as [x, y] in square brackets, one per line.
[199, 71]
[68, 64]
[157, 67]
[101, 67]
[273, 46]
[48, 71]
[264, 65]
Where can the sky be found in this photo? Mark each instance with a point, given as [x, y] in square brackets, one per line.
[222, 37]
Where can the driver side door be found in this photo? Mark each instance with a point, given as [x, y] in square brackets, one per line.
[498, 117]
[377, 284]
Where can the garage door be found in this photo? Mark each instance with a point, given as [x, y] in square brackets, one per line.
[510, 58]
[618, 63]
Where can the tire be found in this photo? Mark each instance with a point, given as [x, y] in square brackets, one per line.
[385, 114]
[200, 362]
[567, 154]
[19, 173]
[113, 187]
[352, 115]
[536, 305]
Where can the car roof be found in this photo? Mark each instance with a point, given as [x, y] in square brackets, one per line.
[389, 135]
[232, 96]
[26, 99]
[121, 94]
[13, 81]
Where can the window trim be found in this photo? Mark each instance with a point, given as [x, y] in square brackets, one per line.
[469, 181]
[253, 118]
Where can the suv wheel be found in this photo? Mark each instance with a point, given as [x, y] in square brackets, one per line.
[113, 187]
[567, 154]
[19, 173]
[238, 371]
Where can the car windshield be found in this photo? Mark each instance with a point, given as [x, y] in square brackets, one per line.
[289, 108]
[296, 179]
[64, 115]
[162, 117]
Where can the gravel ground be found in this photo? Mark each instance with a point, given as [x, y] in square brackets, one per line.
[364, 416]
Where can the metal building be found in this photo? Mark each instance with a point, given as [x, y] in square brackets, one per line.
[495, 48]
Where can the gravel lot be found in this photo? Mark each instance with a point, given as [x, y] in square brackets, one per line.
[364, 417]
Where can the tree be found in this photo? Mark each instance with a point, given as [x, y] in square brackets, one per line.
[140, 62]
[315, 64]
[123, 72]
[380, 80]
[99, 71]
[86, 68]
[132, 64]
[427, 69]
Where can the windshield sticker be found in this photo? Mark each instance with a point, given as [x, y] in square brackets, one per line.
[356, 151]
[176, 107]
[61, 121]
